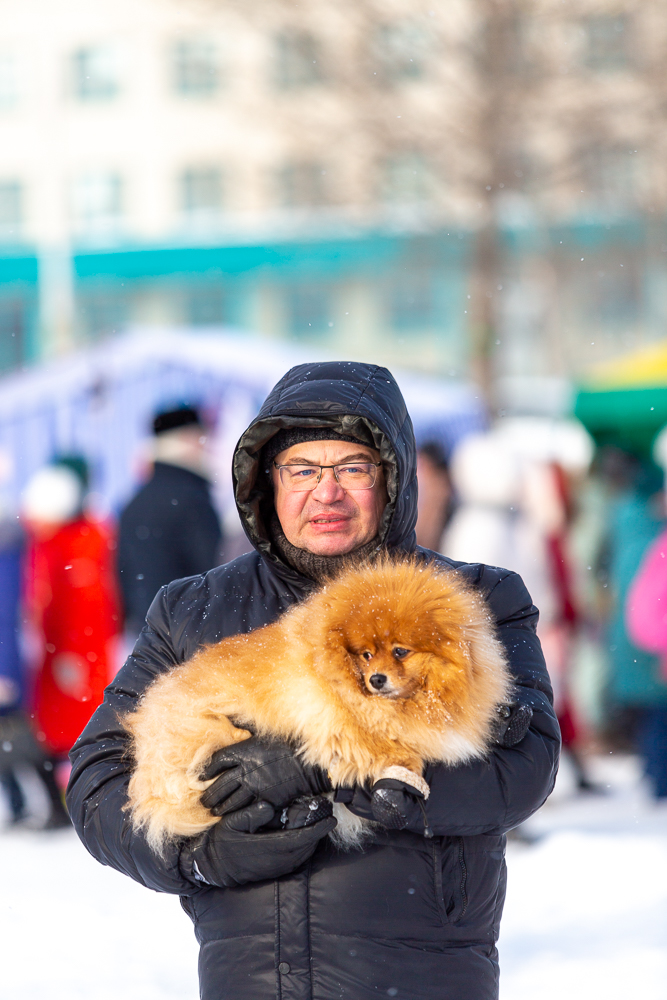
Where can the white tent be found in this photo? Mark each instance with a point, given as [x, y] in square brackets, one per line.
[99, 403]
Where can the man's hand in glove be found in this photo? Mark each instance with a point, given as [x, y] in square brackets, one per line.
[232, 853]
[391, 802]
[397, 804]
[254, 770]
[512, 723]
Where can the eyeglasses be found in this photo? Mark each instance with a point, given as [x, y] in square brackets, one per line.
[355, 476]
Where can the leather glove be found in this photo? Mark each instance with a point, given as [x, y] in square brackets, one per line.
[396, 804]
[232, 853]
[254, 770]
[391, 802]
[512, 723]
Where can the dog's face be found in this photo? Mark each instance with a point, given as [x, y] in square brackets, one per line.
[396, 634]
[406, 639]
[388, 668]
[382, 656]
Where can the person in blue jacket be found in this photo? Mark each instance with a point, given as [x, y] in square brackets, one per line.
[18, 746]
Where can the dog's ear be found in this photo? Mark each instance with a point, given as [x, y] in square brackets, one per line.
[335, 659]
[449, 633]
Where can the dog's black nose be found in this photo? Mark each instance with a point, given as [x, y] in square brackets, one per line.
[378, 681]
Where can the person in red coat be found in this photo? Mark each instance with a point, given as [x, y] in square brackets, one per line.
[72, 603]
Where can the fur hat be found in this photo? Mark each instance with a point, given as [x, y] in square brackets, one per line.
[289, 436]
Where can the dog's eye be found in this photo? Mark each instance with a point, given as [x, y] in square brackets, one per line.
[400, 653]
[367, 656]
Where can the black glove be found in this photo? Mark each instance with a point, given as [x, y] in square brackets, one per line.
[257, 771]
[232, 853]
[512, 723]
[304, 811]
[391, 802]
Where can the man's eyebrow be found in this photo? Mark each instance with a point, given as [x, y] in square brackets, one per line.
[360, 456]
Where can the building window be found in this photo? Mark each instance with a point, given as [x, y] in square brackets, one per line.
[11, 209]
[12, 329]
[308, 310]
[201, 193]
[8, 81]
[205, 305]
[297, 60]
[196, 67]
[612, 175]
[406, 179]
[95, 73]
[302, 185]
[97, 201]
[398, 52]
[612, 295]
[411, 302]
[607, 38]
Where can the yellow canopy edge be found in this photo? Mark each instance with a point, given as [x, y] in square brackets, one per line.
[640, 369]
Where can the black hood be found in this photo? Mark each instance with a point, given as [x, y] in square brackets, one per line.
[361, 400]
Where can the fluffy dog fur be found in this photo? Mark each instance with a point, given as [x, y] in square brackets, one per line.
[306, 678]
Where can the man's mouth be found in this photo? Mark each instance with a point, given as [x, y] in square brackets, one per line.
[329, 520]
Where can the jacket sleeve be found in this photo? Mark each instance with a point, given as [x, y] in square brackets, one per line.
[494, 795]
[97, 790]
[500, 792]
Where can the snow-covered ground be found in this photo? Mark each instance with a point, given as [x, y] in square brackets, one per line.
[586, 913]
[586, 910]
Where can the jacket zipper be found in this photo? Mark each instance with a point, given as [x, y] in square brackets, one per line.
[464, 880]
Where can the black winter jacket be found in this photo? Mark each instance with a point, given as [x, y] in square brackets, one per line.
[167, 531]
[407, 917]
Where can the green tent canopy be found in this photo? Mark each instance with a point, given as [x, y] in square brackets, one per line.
[624, 402]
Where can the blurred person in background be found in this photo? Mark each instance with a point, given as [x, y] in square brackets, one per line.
[434, 501]
[560, 636]
[646, 619]
[11, 675]
[18, 747]
[514, 510]
[636, 693]
[72, 603]
[170, 529]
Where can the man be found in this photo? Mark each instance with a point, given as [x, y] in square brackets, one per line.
[170, 528]
[283, 913]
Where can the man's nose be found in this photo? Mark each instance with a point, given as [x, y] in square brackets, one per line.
[328, 489]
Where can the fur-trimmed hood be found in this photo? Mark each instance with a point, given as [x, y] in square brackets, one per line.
[353, 398]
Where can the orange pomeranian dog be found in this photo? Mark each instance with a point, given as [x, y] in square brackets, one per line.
[386, 668]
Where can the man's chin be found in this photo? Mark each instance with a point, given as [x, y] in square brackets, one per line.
[331, 545]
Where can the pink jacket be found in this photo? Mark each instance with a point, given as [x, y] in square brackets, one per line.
[646, 605]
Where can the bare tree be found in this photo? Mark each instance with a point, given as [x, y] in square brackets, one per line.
[500, 98]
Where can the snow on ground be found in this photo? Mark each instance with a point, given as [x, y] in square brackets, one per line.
[586, 910]
[72, 929]
[586, 913]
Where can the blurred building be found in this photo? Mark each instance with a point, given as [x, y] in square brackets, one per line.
[433, 183]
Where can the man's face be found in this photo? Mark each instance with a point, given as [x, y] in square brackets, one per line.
[329, 521]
